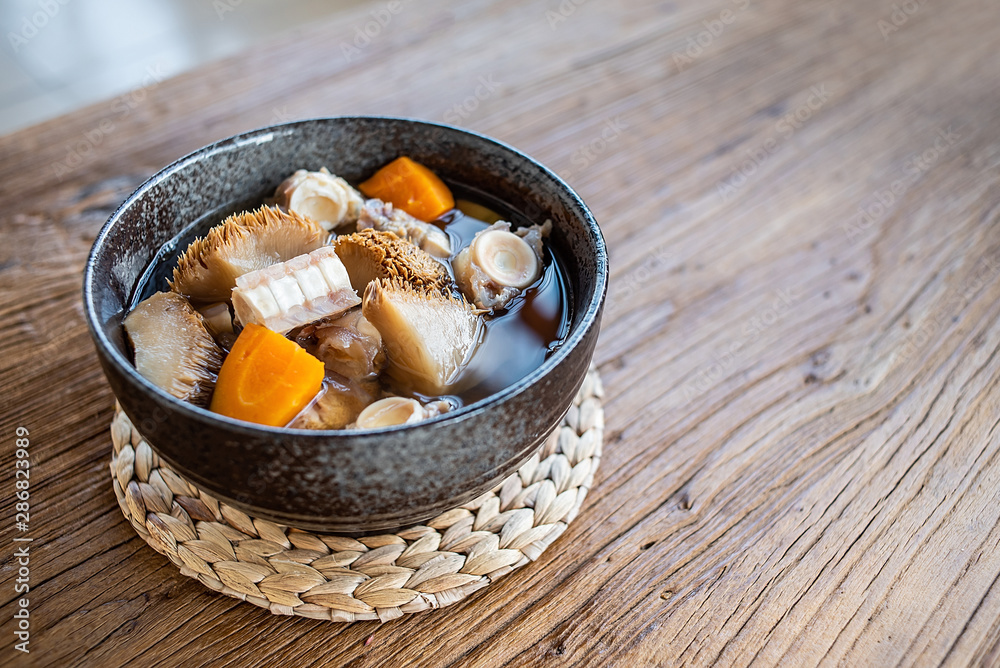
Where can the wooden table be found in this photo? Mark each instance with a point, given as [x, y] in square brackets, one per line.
[800, 345]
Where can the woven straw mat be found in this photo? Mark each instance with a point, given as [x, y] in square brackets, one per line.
[321, 576]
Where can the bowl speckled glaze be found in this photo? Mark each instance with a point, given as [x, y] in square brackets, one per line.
[343, 481]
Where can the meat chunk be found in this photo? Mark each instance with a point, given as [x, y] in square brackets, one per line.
[383, 216]
[348, 345]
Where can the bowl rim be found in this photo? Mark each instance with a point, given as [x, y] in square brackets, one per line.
[267, 133]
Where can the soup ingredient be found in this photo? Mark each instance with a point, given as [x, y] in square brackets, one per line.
[370, 254]
[173, 349]
[383, 216]
[339, 404]
[219, 323]
[429, 337]
[320, 196]
[217, 319]
[348, 345]
[497, 266]
[533, 235]
[293, 293]
[393, 411]
[411, 187]
[242, 243]
[266, 378]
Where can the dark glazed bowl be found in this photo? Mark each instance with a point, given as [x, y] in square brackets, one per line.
[355, 481]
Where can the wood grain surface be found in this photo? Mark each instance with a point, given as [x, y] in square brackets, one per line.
[799, 350]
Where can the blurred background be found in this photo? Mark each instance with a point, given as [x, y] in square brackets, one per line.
[85, 51]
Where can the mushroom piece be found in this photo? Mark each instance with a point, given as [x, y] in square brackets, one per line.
[383, 216]
[429, 337]
[320, 196]
[173, 349]
[244, 242]
[348, 345]
[293, 293]
[371, 254]
[338, 404]
[393, 411]
[498, 265]
[217, 319]
[219, 324]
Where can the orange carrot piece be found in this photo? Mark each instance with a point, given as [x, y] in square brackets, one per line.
[411, 187]
[266, 378]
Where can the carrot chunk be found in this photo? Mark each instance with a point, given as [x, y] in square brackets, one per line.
[411, 187]
[266, 378]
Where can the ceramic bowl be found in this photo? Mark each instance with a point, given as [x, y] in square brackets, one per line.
[342, 481]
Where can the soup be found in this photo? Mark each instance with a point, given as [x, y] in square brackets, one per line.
[331, 308]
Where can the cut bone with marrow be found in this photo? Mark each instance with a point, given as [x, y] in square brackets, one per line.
[320, 196]
[383, 216]
[173, 349]
[428, 337]
[371, 254]
[293, 293]
[499, 264]
[243, 243]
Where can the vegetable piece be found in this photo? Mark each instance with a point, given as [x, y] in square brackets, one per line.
[411, 187]
[217, 319]
[242, 243]
[429, 337]
[370, 254]
[219, 323]
[289, 294]
[173, 349]
[266, 379]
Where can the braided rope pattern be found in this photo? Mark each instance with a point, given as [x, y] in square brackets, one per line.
[321, 576]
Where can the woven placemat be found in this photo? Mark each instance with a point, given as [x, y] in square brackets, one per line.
[322, 576]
